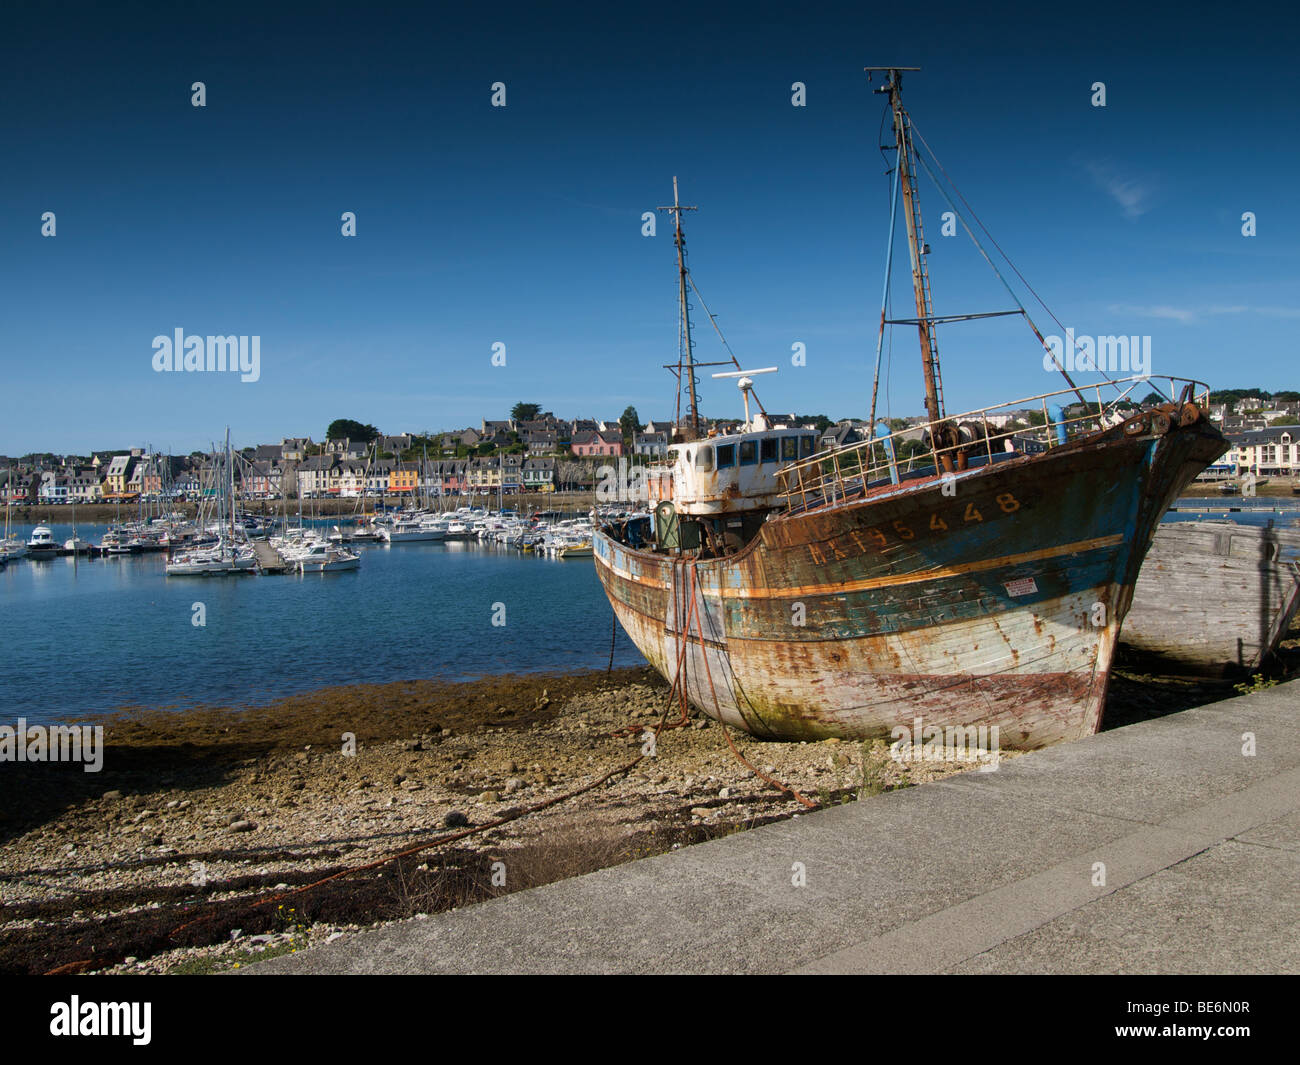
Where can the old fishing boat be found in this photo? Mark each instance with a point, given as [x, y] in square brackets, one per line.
[1252, 576]
[801, 595]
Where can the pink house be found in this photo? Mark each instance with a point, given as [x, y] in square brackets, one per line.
[609, 442]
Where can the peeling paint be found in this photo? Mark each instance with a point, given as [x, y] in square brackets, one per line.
[906, 601]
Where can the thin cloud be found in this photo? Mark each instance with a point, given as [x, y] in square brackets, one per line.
[1129, 193]
[1176, 314]
[1191, 315]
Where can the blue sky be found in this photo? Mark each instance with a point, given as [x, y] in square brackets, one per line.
[522, 225]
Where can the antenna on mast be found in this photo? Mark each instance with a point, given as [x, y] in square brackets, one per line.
[746, 384]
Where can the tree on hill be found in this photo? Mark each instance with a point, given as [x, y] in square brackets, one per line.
[630, 422]
[1231, 395]
[347, 429]
[525, 412]
[820, 420]
[1285, 419]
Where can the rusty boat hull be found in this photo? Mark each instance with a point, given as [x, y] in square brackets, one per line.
[994, 596]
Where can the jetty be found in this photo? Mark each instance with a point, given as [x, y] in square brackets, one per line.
[1169, 846]
[269, 560]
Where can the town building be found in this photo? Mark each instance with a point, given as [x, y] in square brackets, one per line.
[650, 444]
[1270, 452]
[599, 442]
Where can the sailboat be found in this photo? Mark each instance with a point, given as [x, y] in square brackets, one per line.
[76, 545]
[11, 547]
[801, 594]
[230, 556]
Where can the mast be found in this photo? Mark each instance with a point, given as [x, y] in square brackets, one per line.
[230, 474]
[915, 242]
[685, 337]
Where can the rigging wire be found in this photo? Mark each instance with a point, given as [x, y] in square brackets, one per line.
[992, 240]
[993, 266]
[712, 320]
[718, 329]
[884, 298]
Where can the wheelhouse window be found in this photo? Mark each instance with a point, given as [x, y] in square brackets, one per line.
[749, 452]
[789, 448]
[704, 459]
[768, 451]
[807, 445]
[726, 455]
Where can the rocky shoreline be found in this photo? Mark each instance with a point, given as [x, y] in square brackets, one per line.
[202, 844]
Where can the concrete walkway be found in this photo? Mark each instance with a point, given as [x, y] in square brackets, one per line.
[985, 872]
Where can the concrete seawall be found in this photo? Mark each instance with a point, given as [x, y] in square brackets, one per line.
[1156, 848]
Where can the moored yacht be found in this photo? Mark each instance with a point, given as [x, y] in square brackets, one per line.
[42, 543]
[321, 557]
[218, 562]
[410, 530]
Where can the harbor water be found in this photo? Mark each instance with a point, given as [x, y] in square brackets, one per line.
[114, 632]
[101, 634]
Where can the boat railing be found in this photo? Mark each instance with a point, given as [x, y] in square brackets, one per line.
[961, 441]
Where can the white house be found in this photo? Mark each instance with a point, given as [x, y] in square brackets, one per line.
[1274, 451]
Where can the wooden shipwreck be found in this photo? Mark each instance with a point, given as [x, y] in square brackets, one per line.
[802, 594]
[1214, 597]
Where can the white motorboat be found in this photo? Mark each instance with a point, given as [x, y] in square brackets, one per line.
[410, 531]
[357, 534]
[327, 558]
[42, 543]
[112, 543]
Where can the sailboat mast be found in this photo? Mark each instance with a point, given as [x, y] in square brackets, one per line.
[230, 473]
[693, 412]
[912, 214]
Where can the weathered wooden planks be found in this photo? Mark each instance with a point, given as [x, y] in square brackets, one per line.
[1214, 597]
